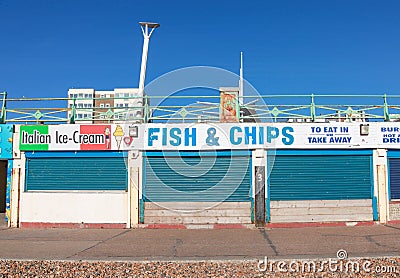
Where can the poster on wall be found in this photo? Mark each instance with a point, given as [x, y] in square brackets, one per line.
[229, 107]
[8, 192]
[6, 131]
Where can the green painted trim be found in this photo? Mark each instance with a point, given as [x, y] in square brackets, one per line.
[141, 211]
[252, 210]
[375, 208]
[49, 107]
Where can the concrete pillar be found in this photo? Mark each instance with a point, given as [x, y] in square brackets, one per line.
[383, 204]
[134, 197]
[17, 180]
[135, 174]
[381, 184]
[259, 162]
[14, 198]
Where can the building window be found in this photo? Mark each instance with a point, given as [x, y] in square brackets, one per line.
[107, 105]
[102, 96]
[80, 95]
[101, 105]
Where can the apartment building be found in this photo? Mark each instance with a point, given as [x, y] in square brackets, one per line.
[100, 106]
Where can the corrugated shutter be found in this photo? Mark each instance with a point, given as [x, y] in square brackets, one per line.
[320, 177]
[194, 178]
[394, 170]
[76, 173]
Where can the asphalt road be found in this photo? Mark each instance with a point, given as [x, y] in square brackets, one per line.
[206, 244]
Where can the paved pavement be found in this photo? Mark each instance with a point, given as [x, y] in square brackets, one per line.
[201, 244]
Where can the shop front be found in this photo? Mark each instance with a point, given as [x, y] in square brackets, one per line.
[221, 173]
[321, 186]
[209, 187]
[73, 176]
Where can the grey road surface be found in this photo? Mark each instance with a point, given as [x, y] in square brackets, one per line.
[201, 244]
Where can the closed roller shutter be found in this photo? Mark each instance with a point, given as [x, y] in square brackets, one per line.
[76, 172]
[320, 175]
[394, 172]
[197, 177]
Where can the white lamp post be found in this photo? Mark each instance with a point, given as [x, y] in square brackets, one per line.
[147, 30]
[241, 80]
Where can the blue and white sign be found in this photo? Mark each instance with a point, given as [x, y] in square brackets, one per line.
[389, 135]
[6, 132]
[252, 136]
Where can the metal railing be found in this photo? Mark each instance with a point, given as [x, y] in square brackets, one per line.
[186, 109]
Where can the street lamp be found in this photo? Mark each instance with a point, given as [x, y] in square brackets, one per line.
[147, 30]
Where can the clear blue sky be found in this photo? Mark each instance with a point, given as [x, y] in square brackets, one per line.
[47, 47]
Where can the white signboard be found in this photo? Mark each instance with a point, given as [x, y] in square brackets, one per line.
[217, 136]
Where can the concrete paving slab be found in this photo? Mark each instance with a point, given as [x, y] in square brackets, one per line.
[211, 244]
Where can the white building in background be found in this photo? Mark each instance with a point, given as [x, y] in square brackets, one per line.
[83, 104]
[118, 106]
[128, 105]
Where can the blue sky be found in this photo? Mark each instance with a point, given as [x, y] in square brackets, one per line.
[299, 47]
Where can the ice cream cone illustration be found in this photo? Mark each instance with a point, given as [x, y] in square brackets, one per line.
[118, 134]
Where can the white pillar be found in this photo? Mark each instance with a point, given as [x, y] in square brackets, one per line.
[381, 184]
[135, 161]
[16, 180]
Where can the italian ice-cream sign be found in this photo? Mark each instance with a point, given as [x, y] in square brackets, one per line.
[78, 137]
[6, 141]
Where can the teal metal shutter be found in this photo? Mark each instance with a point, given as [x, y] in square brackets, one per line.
[197, 177]
[394, 174]
[76, 173]
[320, 175]
[394, 164]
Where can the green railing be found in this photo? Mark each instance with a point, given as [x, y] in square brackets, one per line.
[186, 109]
